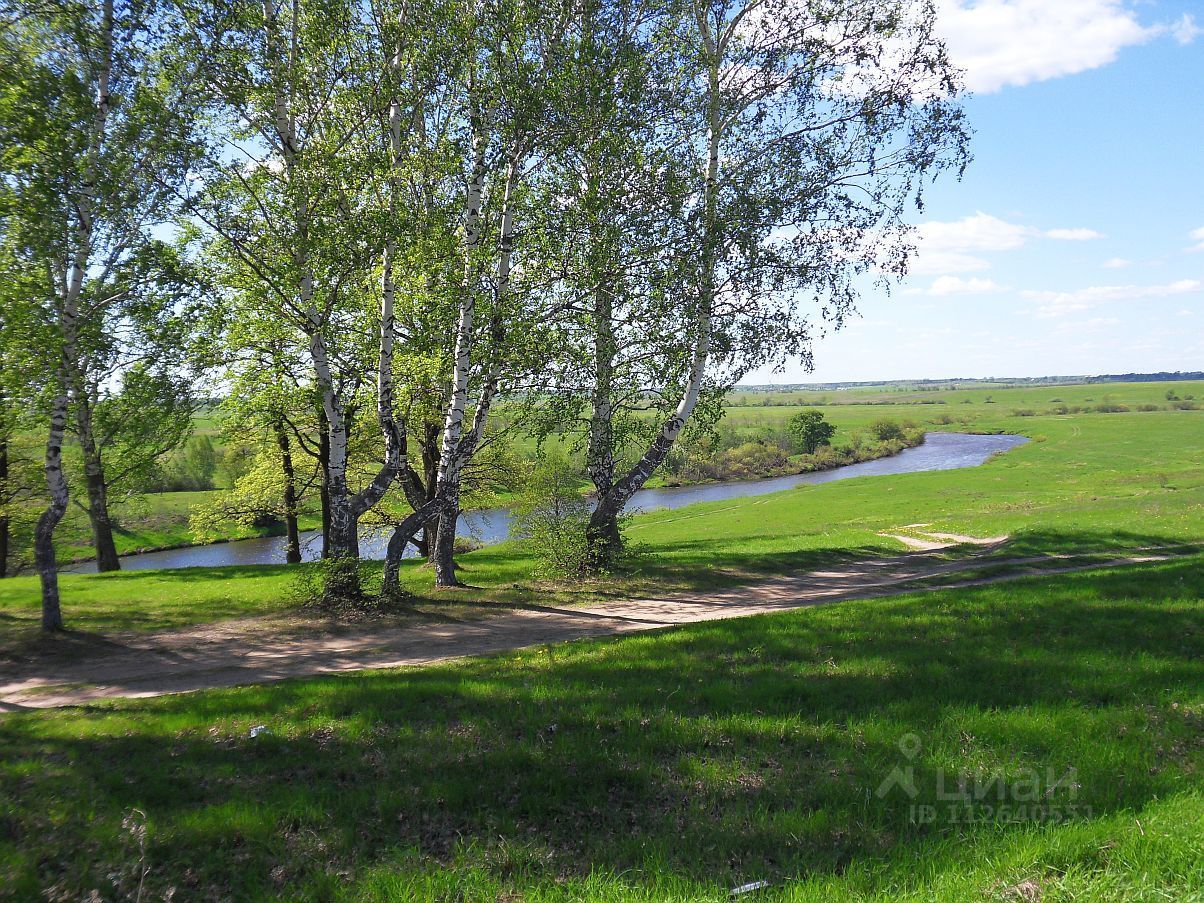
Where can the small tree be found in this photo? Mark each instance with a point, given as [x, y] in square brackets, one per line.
[810, 431]
[552, 516]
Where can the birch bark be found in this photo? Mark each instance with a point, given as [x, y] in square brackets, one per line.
[68, 316]
[56, 484]
[467, 443]
[602, 532]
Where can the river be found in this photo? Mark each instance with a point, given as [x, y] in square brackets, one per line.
[940, 451]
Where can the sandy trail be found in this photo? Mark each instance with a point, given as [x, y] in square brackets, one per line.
[239, 652]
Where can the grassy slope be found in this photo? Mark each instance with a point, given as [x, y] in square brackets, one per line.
[1085, 483]
[672, 765]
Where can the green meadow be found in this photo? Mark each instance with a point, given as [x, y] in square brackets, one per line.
[680, 764]
[669, 766]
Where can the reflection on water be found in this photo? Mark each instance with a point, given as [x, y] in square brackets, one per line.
[940, 451]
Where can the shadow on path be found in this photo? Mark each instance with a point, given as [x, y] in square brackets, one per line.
[80, 668]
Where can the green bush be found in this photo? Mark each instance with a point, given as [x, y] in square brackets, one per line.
[552, 515]
[189, 468]
[885, 430]
[752, 459]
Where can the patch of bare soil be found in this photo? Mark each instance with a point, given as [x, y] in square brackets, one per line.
[77, 669]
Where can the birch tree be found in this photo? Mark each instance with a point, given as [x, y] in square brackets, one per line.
[511, 58]
[287, 195]
[92, 112]
[808, 129]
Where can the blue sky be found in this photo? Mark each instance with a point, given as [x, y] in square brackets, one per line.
[1075, 242]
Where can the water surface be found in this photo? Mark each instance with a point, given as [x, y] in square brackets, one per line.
[940, 451]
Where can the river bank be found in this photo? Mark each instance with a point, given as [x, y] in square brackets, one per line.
[940, 451]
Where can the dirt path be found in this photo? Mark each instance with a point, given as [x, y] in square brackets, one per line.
[236, 652]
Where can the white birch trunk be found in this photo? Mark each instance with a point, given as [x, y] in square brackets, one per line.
[56, 484]
[602, 531]
[453, 427]
[391, 429]
[465, 448]
[342, 541]
[70, 365]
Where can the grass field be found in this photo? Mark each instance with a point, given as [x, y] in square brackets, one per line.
[680, 764]
[670, 766]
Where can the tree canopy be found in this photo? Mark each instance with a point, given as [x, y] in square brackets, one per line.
[389, 233]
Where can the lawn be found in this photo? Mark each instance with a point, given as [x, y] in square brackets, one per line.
[671, 766]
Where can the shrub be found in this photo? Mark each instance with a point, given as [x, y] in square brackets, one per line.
[331, 584]
[885, 430]
[466, 544]
[189, 468]
[750, 460]
[552, 515]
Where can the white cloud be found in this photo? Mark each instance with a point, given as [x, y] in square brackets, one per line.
[1185, 30]
[1116, 263]
[1060, 304]
[934, 263]
[1074, 234]
[1015, 42]
[980, 232]
[951, 247]
[947, 248]
[954, 285]
[1197, 236]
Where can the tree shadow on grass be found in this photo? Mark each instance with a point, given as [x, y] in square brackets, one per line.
[709, 754]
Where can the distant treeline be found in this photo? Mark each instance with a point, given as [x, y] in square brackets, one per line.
[988, 382]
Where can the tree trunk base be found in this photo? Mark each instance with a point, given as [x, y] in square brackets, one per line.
[604, 544]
